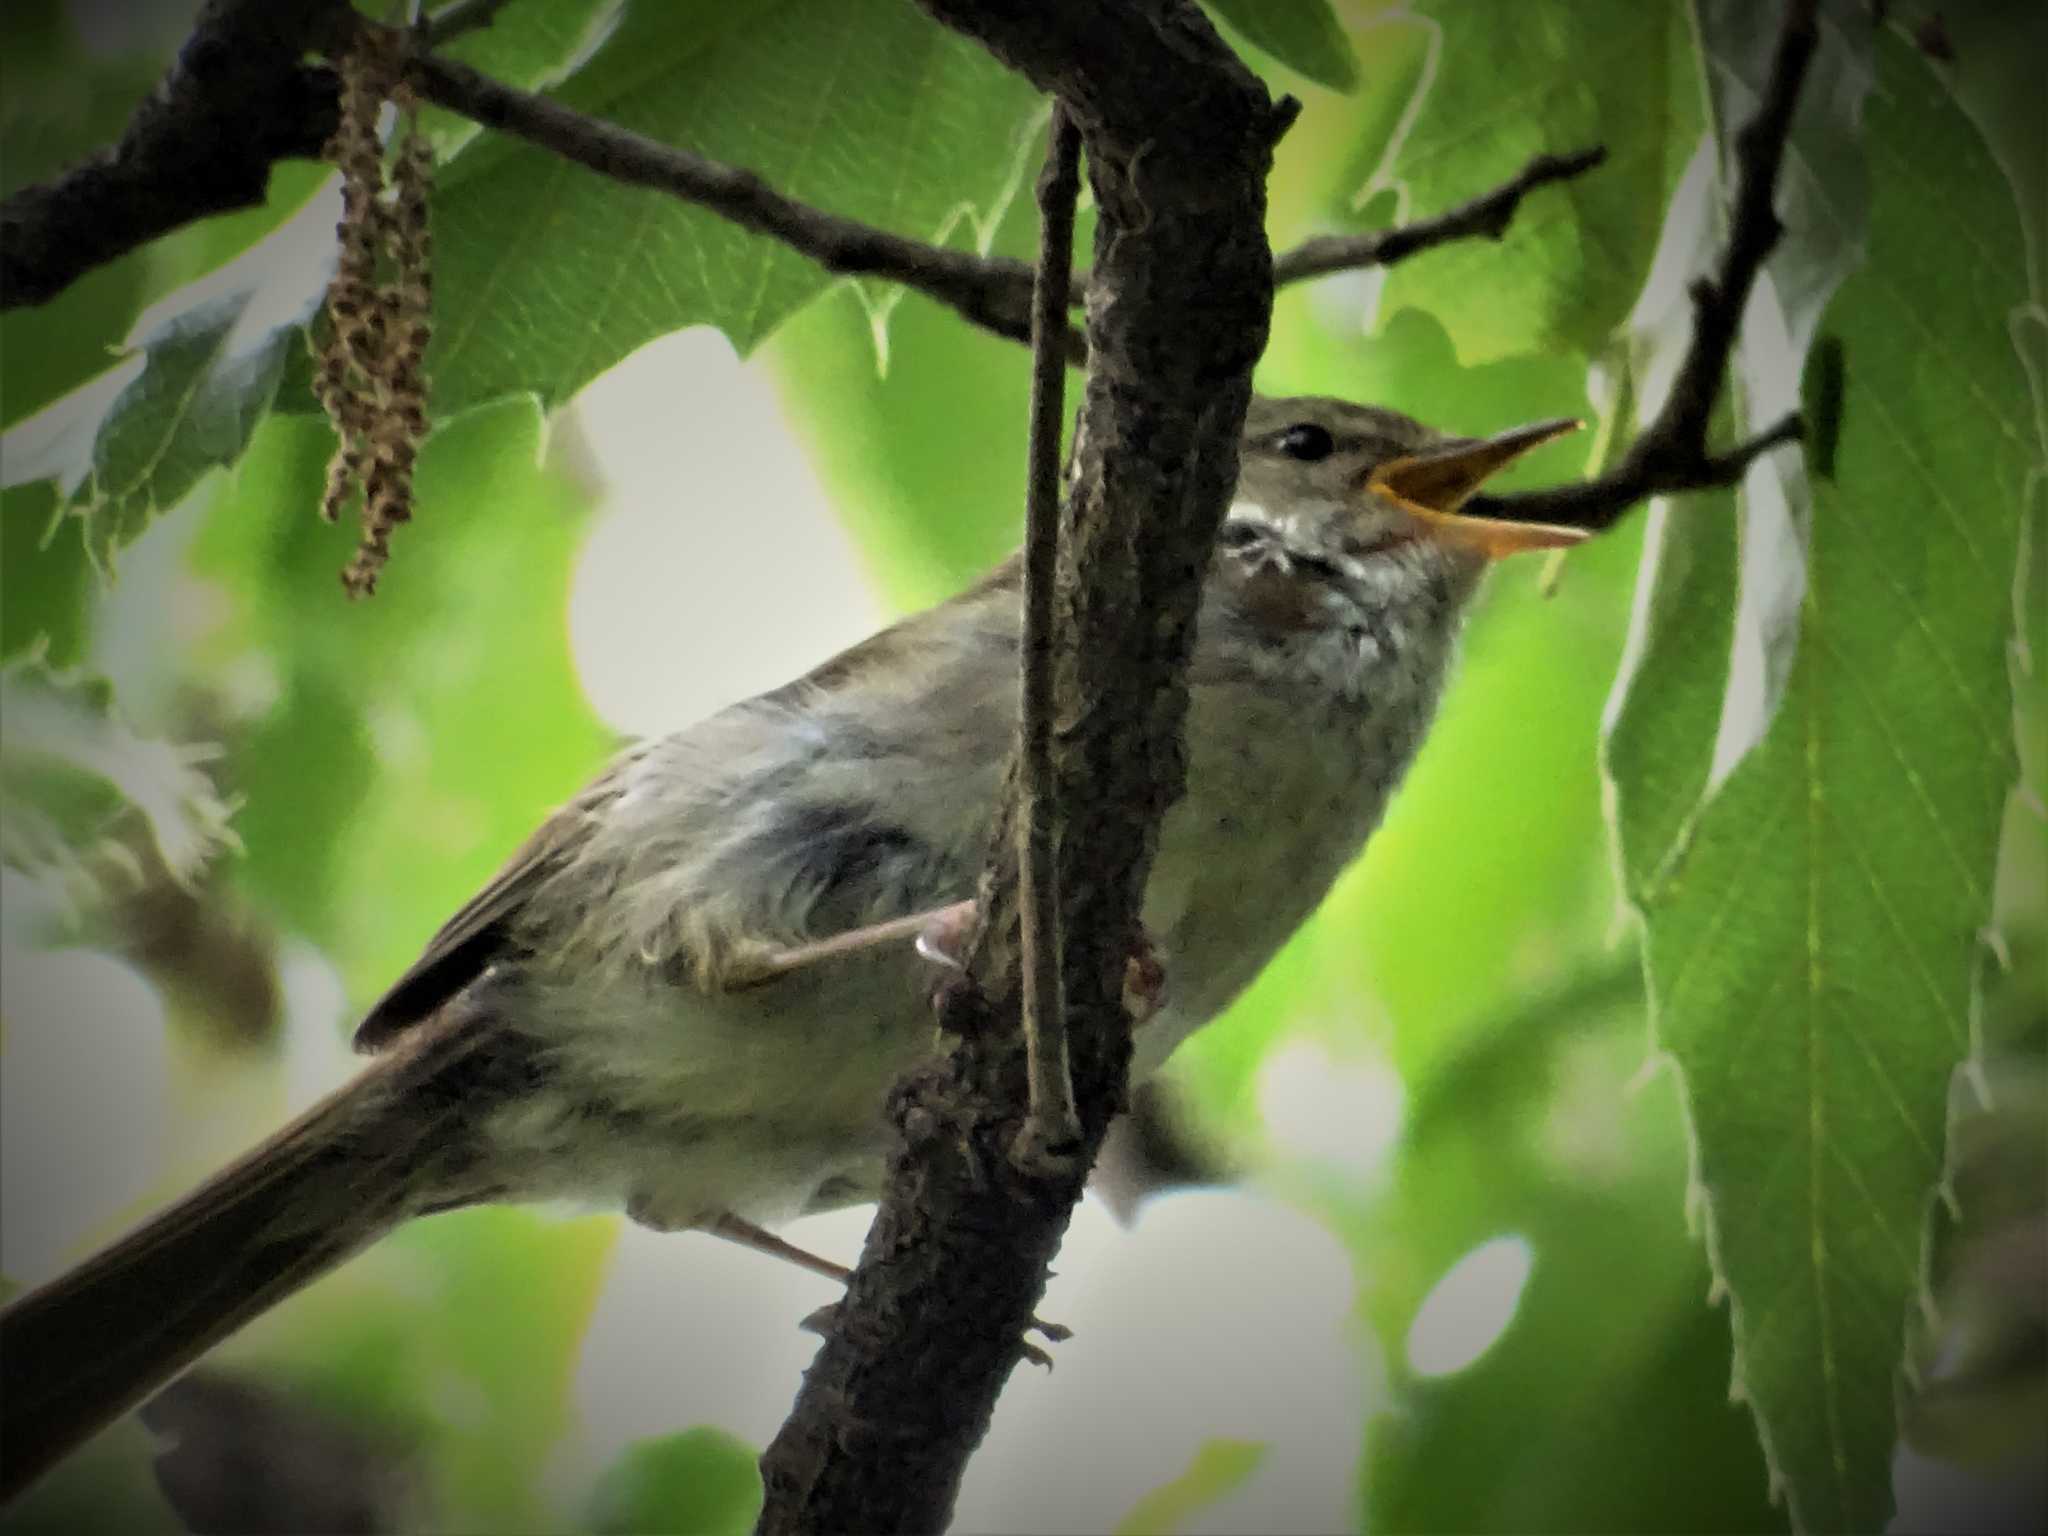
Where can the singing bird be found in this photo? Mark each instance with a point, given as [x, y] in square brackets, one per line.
[689, 992]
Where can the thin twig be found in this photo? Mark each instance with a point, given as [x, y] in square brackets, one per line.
[1484, 217]
[1602, 502]
[1051, 1134]
[992, 292]
[57, 231]
[1671, 454]
[460, 19]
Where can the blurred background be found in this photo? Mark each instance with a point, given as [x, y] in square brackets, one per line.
[1404, 1242]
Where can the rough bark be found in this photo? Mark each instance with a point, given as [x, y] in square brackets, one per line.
[1179, 138]
[238, 98]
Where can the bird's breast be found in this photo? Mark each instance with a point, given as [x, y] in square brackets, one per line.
[1281, 797]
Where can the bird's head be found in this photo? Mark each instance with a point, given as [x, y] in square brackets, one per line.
[1348, 520]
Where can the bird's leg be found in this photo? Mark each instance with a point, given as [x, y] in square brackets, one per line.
[943, 941]
[941, 936]
[739, 1230]
[767, 965]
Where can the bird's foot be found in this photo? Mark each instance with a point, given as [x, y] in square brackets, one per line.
[826, 1318]
[1144, 980]
[737, 1229]
[946, 934]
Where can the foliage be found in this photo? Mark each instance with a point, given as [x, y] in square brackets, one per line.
[1813, 923]
[699, 1480]
[1219, 1467]
[1772, 848]
[71, 774]
[552, 275]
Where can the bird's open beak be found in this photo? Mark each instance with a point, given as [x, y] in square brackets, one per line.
[1431, 486]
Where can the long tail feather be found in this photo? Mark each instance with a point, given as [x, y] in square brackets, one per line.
[94, 1343]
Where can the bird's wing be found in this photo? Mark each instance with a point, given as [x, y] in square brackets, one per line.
[745, 868]
[481, 933]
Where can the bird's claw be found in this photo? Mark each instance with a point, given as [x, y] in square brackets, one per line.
[822, 1321]
[1144, 980]
[945, 938]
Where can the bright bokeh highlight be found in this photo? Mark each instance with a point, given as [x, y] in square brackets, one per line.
[1468, 1310]
[715, 568]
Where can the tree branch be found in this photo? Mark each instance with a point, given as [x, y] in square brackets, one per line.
[459, 20]
[992, 292]
[1487, 216]
[1671, 454]
[237, 99]
[1052, 1128]
[1178, 137]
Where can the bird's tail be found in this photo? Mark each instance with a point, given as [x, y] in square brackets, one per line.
[92, 1344]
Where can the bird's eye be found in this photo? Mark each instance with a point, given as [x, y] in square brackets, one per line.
[1307, 441]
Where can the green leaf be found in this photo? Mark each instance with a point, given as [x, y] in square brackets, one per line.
[703, 1482]
[73, 777]
[1993, 76]
[1811, 940]
[77, 337]
[45, 578]
[109, 1485]
[1684, 627]
[1302, 34]
[132, 443]
[1823, 200]
[1823, 193]
[1536, 1130]
[71, 96]
[1688, 632]
[532, 45]
[1486, 98]
[1218, 1469]
[547, 274]
[880, 115]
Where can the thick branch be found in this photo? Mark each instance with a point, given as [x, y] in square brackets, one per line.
[1672, 454]
[1178, 137]
[237, 99]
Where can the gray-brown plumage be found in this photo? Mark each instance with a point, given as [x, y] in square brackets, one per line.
[615, 1017]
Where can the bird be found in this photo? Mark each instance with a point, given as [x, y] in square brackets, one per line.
[687, 995]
